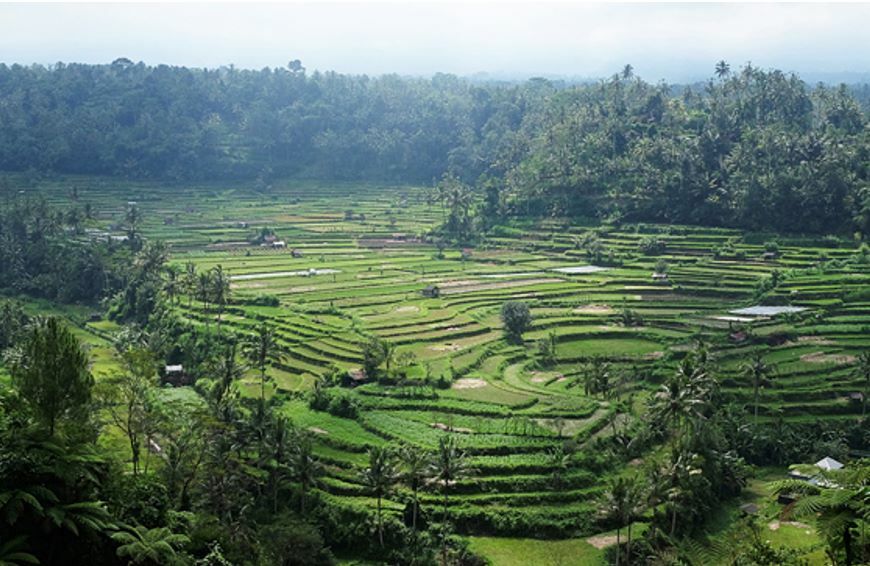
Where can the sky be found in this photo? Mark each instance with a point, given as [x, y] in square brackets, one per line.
[672, 42]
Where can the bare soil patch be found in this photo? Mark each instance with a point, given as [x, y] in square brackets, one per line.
[442, 426]
[594, 309]
[407, 309]
[469, 383]
[602, 541]
[823, 358]
[449, 347]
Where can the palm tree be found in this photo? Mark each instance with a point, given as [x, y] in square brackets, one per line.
[560, 462]
[380, 477]
[723, 69]
[304, 467]
[757, 371]
[190, 282]
[203, 292]
[415, 467]
[450, 464]
[389, 350]
[259, 349]
[142, 545]
[675, 404]
[622, 504]
[172, 285]
[220, 287]
[862, 370]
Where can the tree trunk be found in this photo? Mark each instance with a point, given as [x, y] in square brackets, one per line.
[414, 512]
[628, 555]
[673, 519]
[617, 546]
[755, 421]
[380, 523]
[847, 543]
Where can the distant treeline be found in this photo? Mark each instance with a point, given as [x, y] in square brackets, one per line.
[751, 148]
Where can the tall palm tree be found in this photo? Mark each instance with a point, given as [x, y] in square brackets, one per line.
[141, 545]
[622, 504]
[190, 282]
[259, 349]
[380, 477]
[862, 370]
[220, 288]
[450, 465]
[723, 69]
[415, 468]
[203, 292]
[172, 285]
[757, 371]
[675, 405]
[304, 466]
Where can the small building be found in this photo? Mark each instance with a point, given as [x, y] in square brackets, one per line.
[738, 337]
[828, 464]
[661, 278]
[174, 374]
[242, 225]
[279, 244]
[749, 509]
[431, 291]
[269, 239]
[297, 253]
[770, 256]
[856, 396]
[354, 377]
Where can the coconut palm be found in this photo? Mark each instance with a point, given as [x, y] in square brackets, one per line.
[203, 292]
[172, 286]
[259, 349]
[622, 504]
[220, 291]
[380, 477]
[415, 468]
[723, 69]
[304, 466]
[862, 371]
[141, 545]
[190, 282]
[450, 464]
[758, 372]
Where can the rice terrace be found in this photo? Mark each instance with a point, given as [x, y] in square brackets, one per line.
[434, 284]
[545, 420]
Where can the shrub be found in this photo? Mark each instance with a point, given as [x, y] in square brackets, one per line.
[516, 317]
[651, 246]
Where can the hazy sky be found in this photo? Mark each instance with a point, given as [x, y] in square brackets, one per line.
[671, 41]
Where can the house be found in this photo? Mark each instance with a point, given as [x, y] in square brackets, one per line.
[431, 291]
[296, 253]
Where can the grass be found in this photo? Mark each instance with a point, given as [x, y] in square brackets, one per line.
[524, 551]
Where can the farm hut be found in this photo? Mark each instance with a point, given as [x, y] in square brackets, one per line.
[856, 396]
[769, 256]
[660, 278]
[738, 337]
[749, 509]
[829, 464]
[242, 225]
[297, 253]
[279, 244]
[174, 374]
[354, 377]
[431, 291]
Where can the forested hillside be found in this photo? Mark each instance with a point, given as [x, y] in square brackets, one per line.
[752, 148]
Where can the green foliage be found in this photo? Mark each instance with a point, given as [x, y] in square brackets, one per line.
[516, 317]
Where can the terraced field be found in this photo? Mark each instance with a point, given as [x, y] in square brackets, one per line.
[360, 268]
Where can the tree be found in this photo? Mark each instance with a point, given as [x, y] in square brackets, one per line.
[517, 318]
[723, 69]
[259, 349]
[128, 396]
[380, 477]
[374, 354]
[757, 371]
[50, 372]
[158, 546]
[415, 468]
[450, 464]
[304, 466]
[622, 504]
[862, 371]
[220, 291]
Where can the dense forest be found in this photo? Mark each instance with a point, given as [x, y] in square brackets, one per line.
[732, 152]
